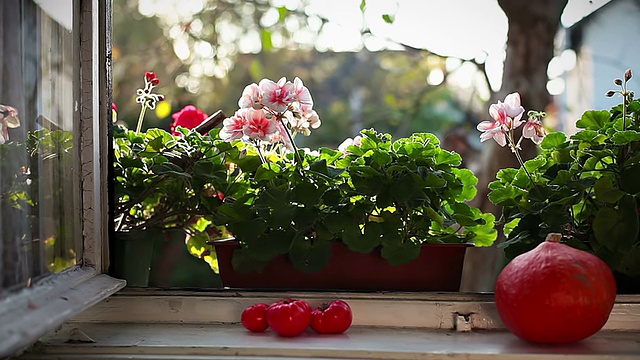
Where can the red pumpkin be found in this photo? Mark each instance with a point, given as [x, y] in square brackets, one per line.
[555, 293]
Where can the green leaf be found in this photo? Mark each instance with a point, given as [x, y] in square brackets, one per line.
[434, 181]
[381, 157]
[508, 227]
[625, 137]
[553, 140]
[362, 243]
[629, 179]
[387, 18]
[132, 163]
[310, 256]
[507, 175]
[505, 196]
[562, 178]
[590, 136]
[593, 119]
[336, 223]
[319, 166]
[248, 230]
[534, 164]
[630, 263]
[484, 234]
[433, 215]
[617, 229]
[363, 5]
[405, 188]
[448, 158]
[469, 182]
[399, 253]
[605, 192]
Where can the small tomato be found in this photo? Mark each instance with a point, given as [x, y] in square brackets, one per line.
[334, 318]
[289, 317]
[254, 318]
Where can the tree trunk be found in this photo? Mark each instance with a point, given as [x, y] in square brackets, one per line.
[530, 46]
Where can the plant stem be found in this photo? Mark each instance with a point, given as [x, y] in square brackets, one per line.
[514, 149]
[295, 148]
[140, 118]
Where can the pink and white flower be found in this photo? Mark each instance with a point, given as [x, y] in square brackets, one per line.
[233, 127]
[277, 96]
[303, 95]
[251, 97]
[258, 126]
[357, 141]
[513, 109]
[507, 116]
[534, 130]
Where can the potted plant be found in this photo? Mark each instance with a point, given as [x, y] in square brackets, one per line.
[585, 187]
[161, 181]
[320, 219]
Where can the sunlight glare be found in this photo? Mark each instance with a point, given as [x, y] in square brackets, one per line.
[181, 48]
[556, 86]
[436, 77]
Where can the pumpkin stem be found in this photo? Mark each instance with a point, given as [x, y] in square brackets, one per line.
[553, 237]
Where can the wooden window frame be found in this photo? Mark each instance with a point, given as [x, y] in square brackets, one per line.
[32, 312]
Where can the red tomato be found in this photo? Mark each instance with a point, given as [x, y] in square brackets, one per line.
[289, 317]
[334, 318]
[254, 318]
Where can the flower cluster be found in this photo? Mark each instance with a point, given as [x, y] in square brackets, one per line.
[507, 117]
[272, 113]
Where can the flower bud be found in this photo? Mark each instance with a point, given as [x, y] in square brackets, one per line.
[617, 81]
[610, 93]
[627, 74]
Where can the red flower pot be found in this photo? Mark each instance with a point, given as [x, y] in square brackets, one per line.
[437, 268]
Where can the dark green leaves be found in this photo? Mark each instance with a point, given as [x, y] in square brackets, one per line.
[586, 187]
[617, 229]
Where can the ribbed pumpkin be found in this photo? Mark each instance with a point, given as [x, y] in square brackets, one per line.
[555, 293]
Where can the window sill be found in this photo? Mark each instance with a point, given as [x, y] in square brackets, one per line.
[217, 341]
[143, 324]
[31, 313]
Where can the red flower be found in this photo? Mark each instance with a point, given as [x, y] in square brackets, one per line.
[152, 78]
[189, 117]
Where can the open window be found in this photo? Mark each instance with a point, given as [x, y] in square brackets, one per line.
[53, 217]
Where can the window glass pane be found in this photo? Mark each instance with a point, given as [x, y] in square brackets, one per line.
[39, 179]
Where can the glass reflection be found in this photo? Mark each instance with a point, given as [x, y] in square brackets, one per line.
[39, 179]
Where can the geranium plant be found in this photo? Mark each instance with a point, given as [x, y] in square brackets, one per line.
[585, 187]
[161, 179]
[377, 195]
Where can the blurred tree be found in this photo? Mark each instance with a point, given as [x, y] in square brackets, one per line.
[530, 44]
[387, 90]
